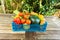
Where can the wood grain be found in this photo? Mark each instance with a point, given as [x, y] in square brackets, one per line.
[53, 29]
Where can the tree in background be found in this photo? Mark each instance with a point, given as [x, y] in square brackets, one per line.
[2, 5]
[45, 7]
[11, 5]
[31, 5]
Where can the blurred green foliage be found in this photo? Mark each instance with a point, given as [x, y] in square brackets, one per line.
[1, 11]
[31, 5]
[45, 7]
[0, 2]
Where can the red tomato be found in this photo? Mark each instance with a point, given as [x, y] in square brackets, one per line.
[17, 20]
[21, 14]
[27, 13]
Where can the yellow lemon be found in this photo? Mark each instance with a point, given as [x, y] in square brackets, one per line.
[41, 17]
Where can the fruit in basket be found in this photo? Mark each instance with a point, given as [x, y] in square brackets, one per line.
[26, 27]
[33, 13]
[17, 20]
[27, 13]
[26, 16]
[21, 17]
[23, 21]
[20, 14]
[28, 21]
[42, 22]
[34, 19]
[41, 17]
[37, 21]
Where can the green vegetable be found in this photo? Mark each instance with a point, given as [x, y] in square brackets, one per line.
[34, 19]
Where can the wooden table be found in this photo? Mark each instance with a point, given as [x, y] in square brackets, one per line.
[6, 29]
[53, 30]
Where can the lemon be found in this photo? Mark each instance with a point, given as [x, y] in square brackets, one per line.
[41, 17]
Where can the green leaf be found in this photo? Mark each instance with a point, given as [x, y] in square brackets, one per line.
[16, 12]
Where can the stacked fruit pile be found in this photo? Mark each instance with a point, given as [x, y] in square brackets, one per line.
[25, 21]
[28, 18]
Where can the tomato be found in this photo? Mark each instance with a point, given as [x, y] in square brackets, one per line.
[17, 20]
[27, 13]
[14, 20]
[26, 16]
[28, 21]
[21, 14]
[22, 21]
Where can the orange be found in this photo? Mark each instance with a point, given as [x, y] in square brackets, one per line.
[28, 21]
